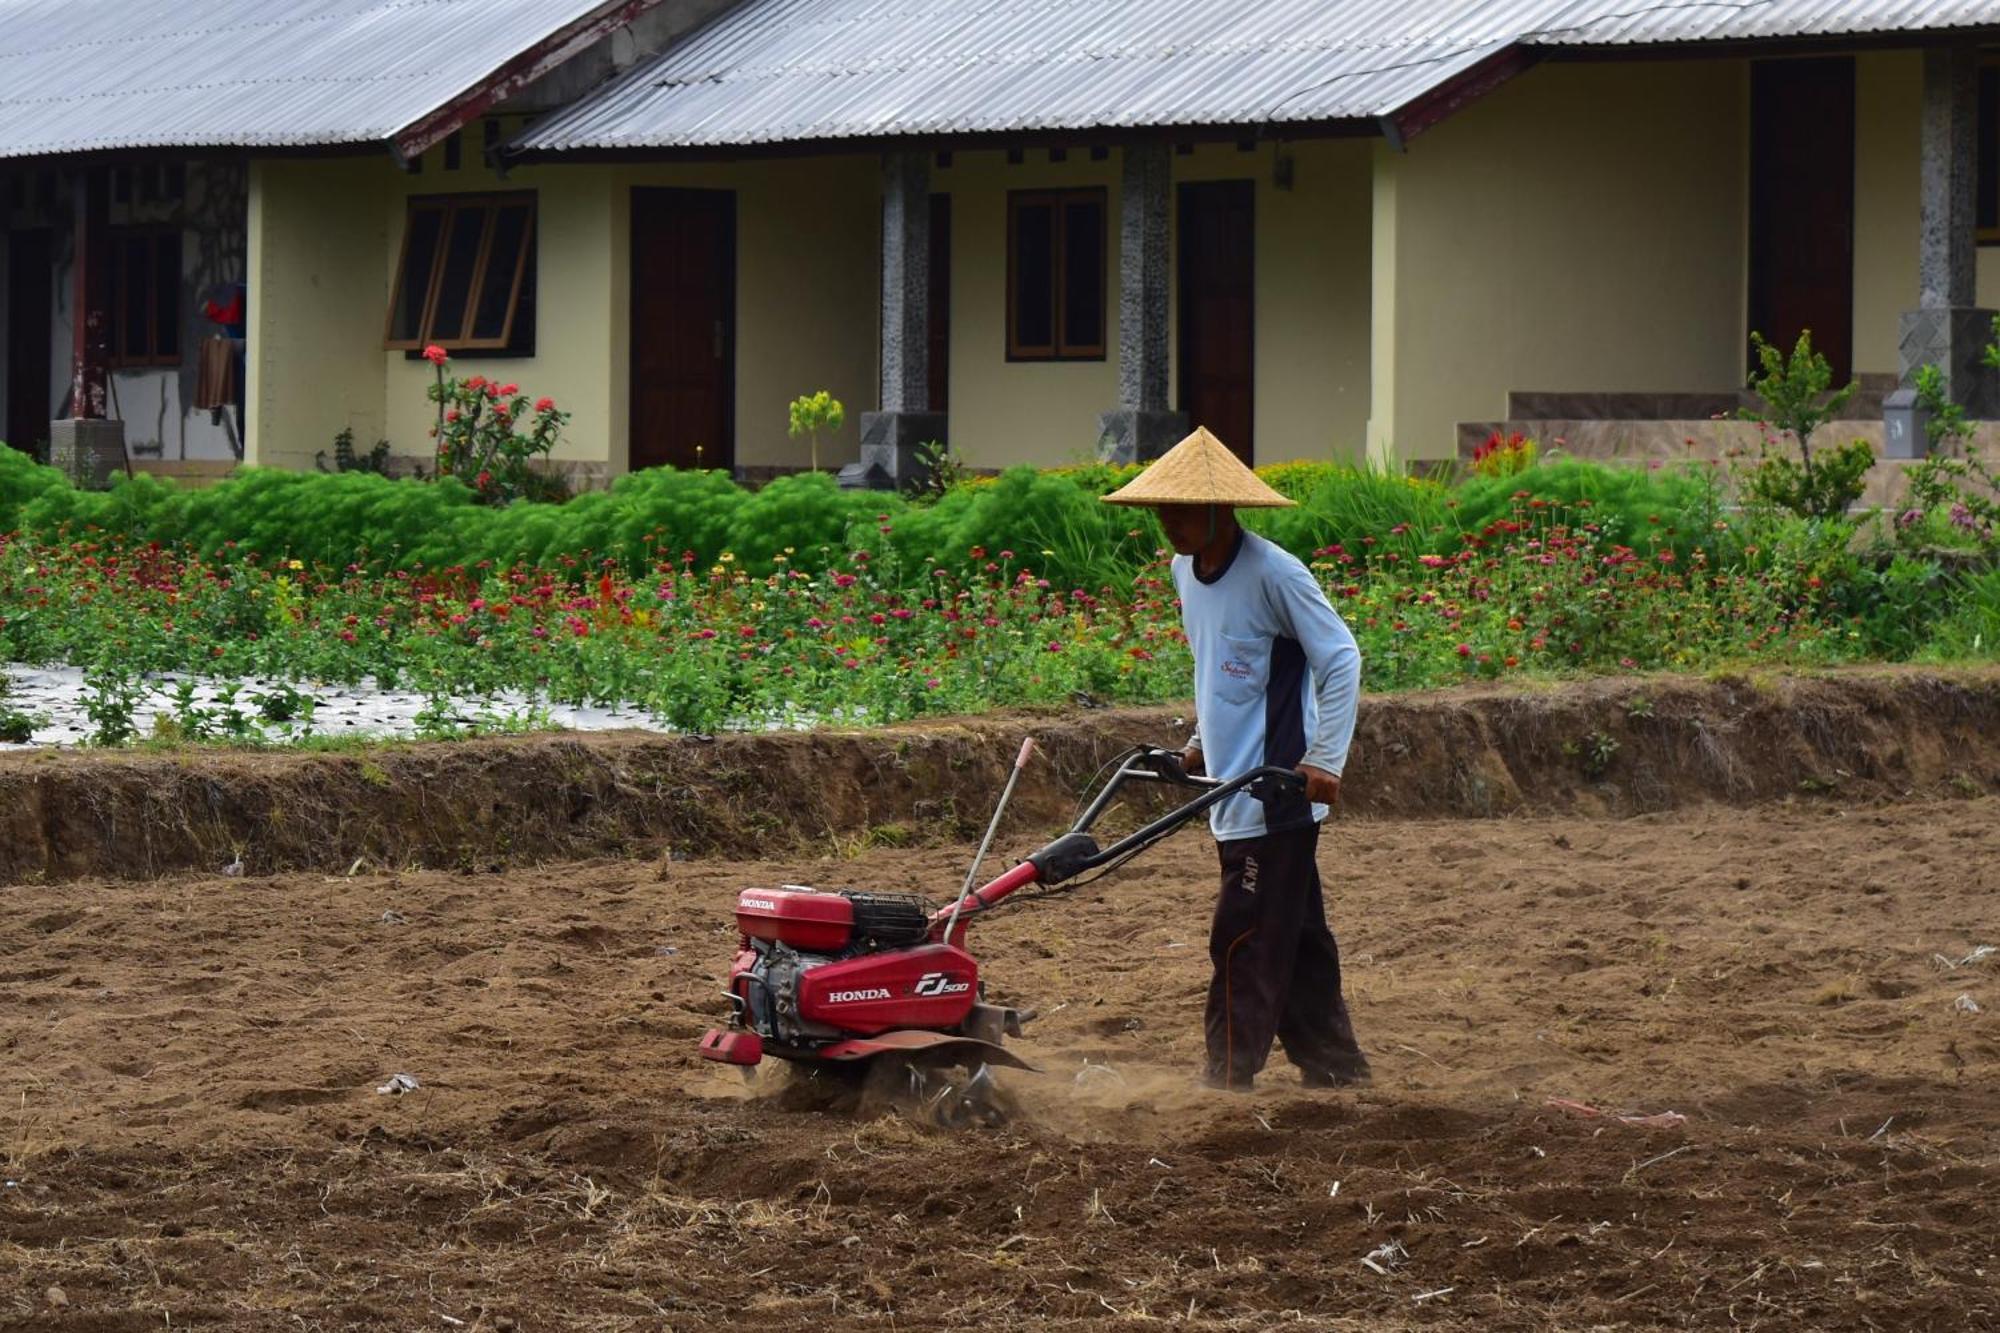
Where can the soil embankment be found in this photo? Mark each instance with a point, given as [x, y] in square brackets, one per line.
[1612, 747]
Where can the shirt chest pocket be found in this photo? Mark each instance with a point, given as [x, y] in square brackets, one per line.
[1242, 669]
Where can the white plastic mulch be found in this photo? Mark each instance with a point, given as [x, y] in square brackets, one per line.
[56, 695]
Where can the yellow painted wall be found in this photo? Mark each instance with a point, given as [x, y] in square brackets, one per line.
[315, 309]
[1888, 91]
[1003, 412]
[326, 236]
[807, 297]
[1581, 229]
[1311, 302]
[1312, 292]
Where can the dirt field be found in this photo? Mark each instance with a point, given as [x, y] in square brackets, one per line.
[190, 1134]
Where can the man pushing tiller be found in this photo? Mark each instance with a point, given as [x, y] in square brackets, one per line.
[1276, 680]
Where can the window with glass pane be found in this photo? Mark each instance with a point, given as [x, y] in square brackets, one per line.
[1083, 277]
[465, 278]
[143, 272]
[1055, 275]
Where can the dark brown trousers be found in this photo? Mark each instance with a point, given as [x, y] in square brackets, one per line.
[1277, 966]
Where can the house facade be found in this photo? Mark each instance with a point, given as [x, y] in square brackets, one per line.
[1325, 232]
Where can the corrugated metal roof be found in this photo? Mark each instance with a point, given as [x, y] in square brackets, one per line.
[95, 74]
[772, 71]
[1609, 24]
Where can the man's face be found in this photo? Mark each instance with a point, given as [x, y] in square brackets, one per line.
[1190, 527]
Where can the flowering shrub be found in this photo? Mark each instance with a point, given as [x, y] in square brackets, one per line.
[1503, 456]
[488, 433]
[885, 631]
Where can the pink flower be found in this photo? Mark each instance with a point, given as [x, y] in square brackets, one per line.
[545, 404]
[435, 355]
[1465, 650]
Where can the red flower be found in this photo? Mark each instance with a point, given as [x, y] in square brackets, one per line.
[435, 355]
[476, 382]
[509, 390]
[545, 404]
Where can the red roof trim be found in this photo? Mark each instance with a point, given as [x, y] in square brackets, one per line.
[510, 78]
[1456, 93]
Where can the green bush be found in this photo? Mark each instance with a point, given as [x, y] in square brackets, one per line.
[1971, 629]
[22, 480]
[1406, 515]
[1053, 522]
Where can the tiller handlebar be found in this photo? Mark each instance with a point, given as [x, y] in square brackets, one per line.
[1282, 791]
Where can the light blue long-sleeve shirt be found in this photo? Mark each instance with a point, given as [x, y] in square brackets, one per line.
[1277, 675]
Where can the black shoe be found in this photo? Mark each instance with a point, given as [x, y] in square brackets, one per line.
[1353, 1077]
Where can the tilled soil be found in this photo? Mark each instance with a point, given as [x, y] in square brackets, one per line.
[191, 1136]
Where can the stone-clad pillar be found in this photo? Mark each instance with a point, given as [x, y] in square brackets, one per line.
[1946, 273]
[889, 437]
[1947, 329]
[1142, 427]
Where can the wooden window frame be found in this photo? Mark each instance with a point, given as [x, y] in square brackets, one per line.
[449, 205]
[116, 239]
[1057, 201]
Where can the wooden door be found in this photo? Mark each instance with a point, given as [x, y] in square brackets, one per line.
[683, 328]
[1802, 205]
[30, 312]
[1217, 310]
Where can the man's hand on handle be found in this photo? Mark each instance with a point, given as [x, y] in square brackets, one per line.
[1322, 787]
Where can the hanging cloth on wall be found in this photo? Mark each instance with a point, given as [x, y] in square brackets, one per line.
[215, 374]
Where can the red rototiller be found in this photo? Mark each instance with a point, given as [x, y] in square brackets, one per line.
[848, 980]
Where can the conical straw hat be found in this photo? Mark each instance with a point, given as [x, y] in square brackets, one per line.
[1200, 470]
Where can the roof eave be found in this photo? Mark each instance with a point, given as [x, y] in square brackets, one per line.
[963, 141]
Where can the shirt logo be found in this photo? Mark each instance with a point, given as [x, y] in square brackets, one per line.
[1236, 668]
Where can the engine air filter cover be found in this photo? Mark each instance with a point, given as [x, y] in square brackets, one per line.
[889, 920]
